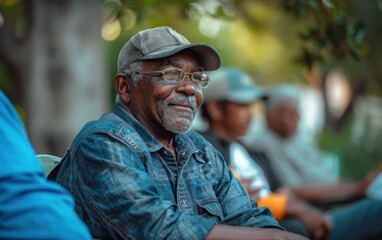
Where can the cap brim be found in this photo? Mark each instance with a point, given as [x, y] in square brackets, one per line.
[246, 96]
[207, 56]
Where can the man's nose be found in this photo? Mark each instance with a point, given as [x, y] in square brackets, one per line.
[187, 86]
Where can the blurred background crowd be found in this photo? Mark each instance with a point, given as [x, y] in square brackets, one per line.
[57, 62]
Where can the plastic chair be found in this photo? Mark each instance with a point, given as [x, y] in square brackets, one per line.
[48, 162]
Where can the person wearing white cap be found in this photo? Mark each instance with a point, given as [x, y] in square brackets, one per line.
[139, 172]
[296, 161]
[298, 167]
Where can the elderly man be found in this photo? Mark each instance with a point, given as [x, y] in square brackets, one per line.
[298, 166]
[296, 161]
[140, 173]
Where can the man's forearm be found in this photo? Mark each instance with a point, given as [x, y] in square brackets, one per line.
[226, 232]
[314, 193]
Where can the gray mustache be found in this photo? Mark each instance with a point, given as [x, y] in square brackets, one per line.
[185, 100]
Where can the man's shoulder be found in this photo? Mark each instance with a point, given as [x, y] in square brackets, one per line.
[195, 137]
[205, 148]
[209, 135]
[198, 141]
[108, 124]
[214, 139]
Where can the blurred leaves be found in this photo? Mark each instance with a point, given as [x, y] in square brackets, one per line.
[357, 158]
[330, 34]
[328, 31]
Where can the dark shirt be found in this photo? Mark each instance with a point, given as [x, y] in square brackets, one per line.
[261, 159]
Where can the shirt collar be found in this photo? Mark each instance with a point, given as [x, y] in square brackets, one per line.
[152, 143]
[180, 140]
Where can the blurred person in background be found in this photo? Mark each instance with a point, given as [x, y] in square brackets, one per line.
[300, 169]
[139, 172]
[228, 110]
[298, 163]
[31, 207]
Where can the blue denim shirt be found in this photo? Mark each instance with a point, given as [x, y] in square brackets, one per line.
[127, 184]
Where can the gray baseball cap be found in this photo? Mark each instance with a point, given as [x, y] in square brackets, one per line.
[160, 42]
[232, 84]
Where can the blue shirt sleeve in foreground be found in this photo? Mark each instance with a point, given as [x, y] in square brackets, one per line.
[31, 207]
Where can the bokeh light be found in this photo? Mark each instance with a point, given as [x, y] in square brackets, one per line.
[111, 30]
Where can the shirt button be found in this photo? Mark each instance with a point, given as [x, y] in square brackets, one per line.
[167, 153]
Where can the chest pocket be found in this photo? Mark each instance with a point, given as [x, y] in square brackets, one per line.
[210, 208]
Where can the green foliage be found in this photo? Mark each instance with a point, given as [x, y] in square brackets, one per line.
[13, 11]
[330, 34]
[358, 156]
[4, 83]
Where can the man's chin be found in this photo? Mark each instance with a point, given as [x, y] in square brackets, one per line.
[178, 126]
[178, 129]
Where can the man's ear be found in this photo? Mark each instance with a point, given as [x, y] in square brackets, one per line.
[215, 110]
[122, 86]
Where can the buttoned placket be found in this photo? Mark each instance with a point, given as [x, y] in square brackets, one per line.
[171, 166]
[182, 195]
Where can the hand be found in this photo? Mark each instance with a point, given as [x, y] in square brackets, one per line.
[365, 183]
[286, 191]
[317, 222]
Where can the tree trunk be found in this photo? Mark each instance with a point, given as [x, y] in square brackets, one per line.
[62, 71]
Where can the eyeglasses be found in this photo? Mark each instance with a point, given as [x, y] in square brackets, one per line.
[175, 75]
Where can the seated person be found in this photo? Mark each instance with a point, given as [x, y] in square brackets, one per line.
[141, 173]
[298, 164]
[228, 109]
[31, 207]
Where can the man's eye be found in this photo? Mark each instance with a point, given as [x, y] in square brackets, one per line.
[171, 74]
[197, 76]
